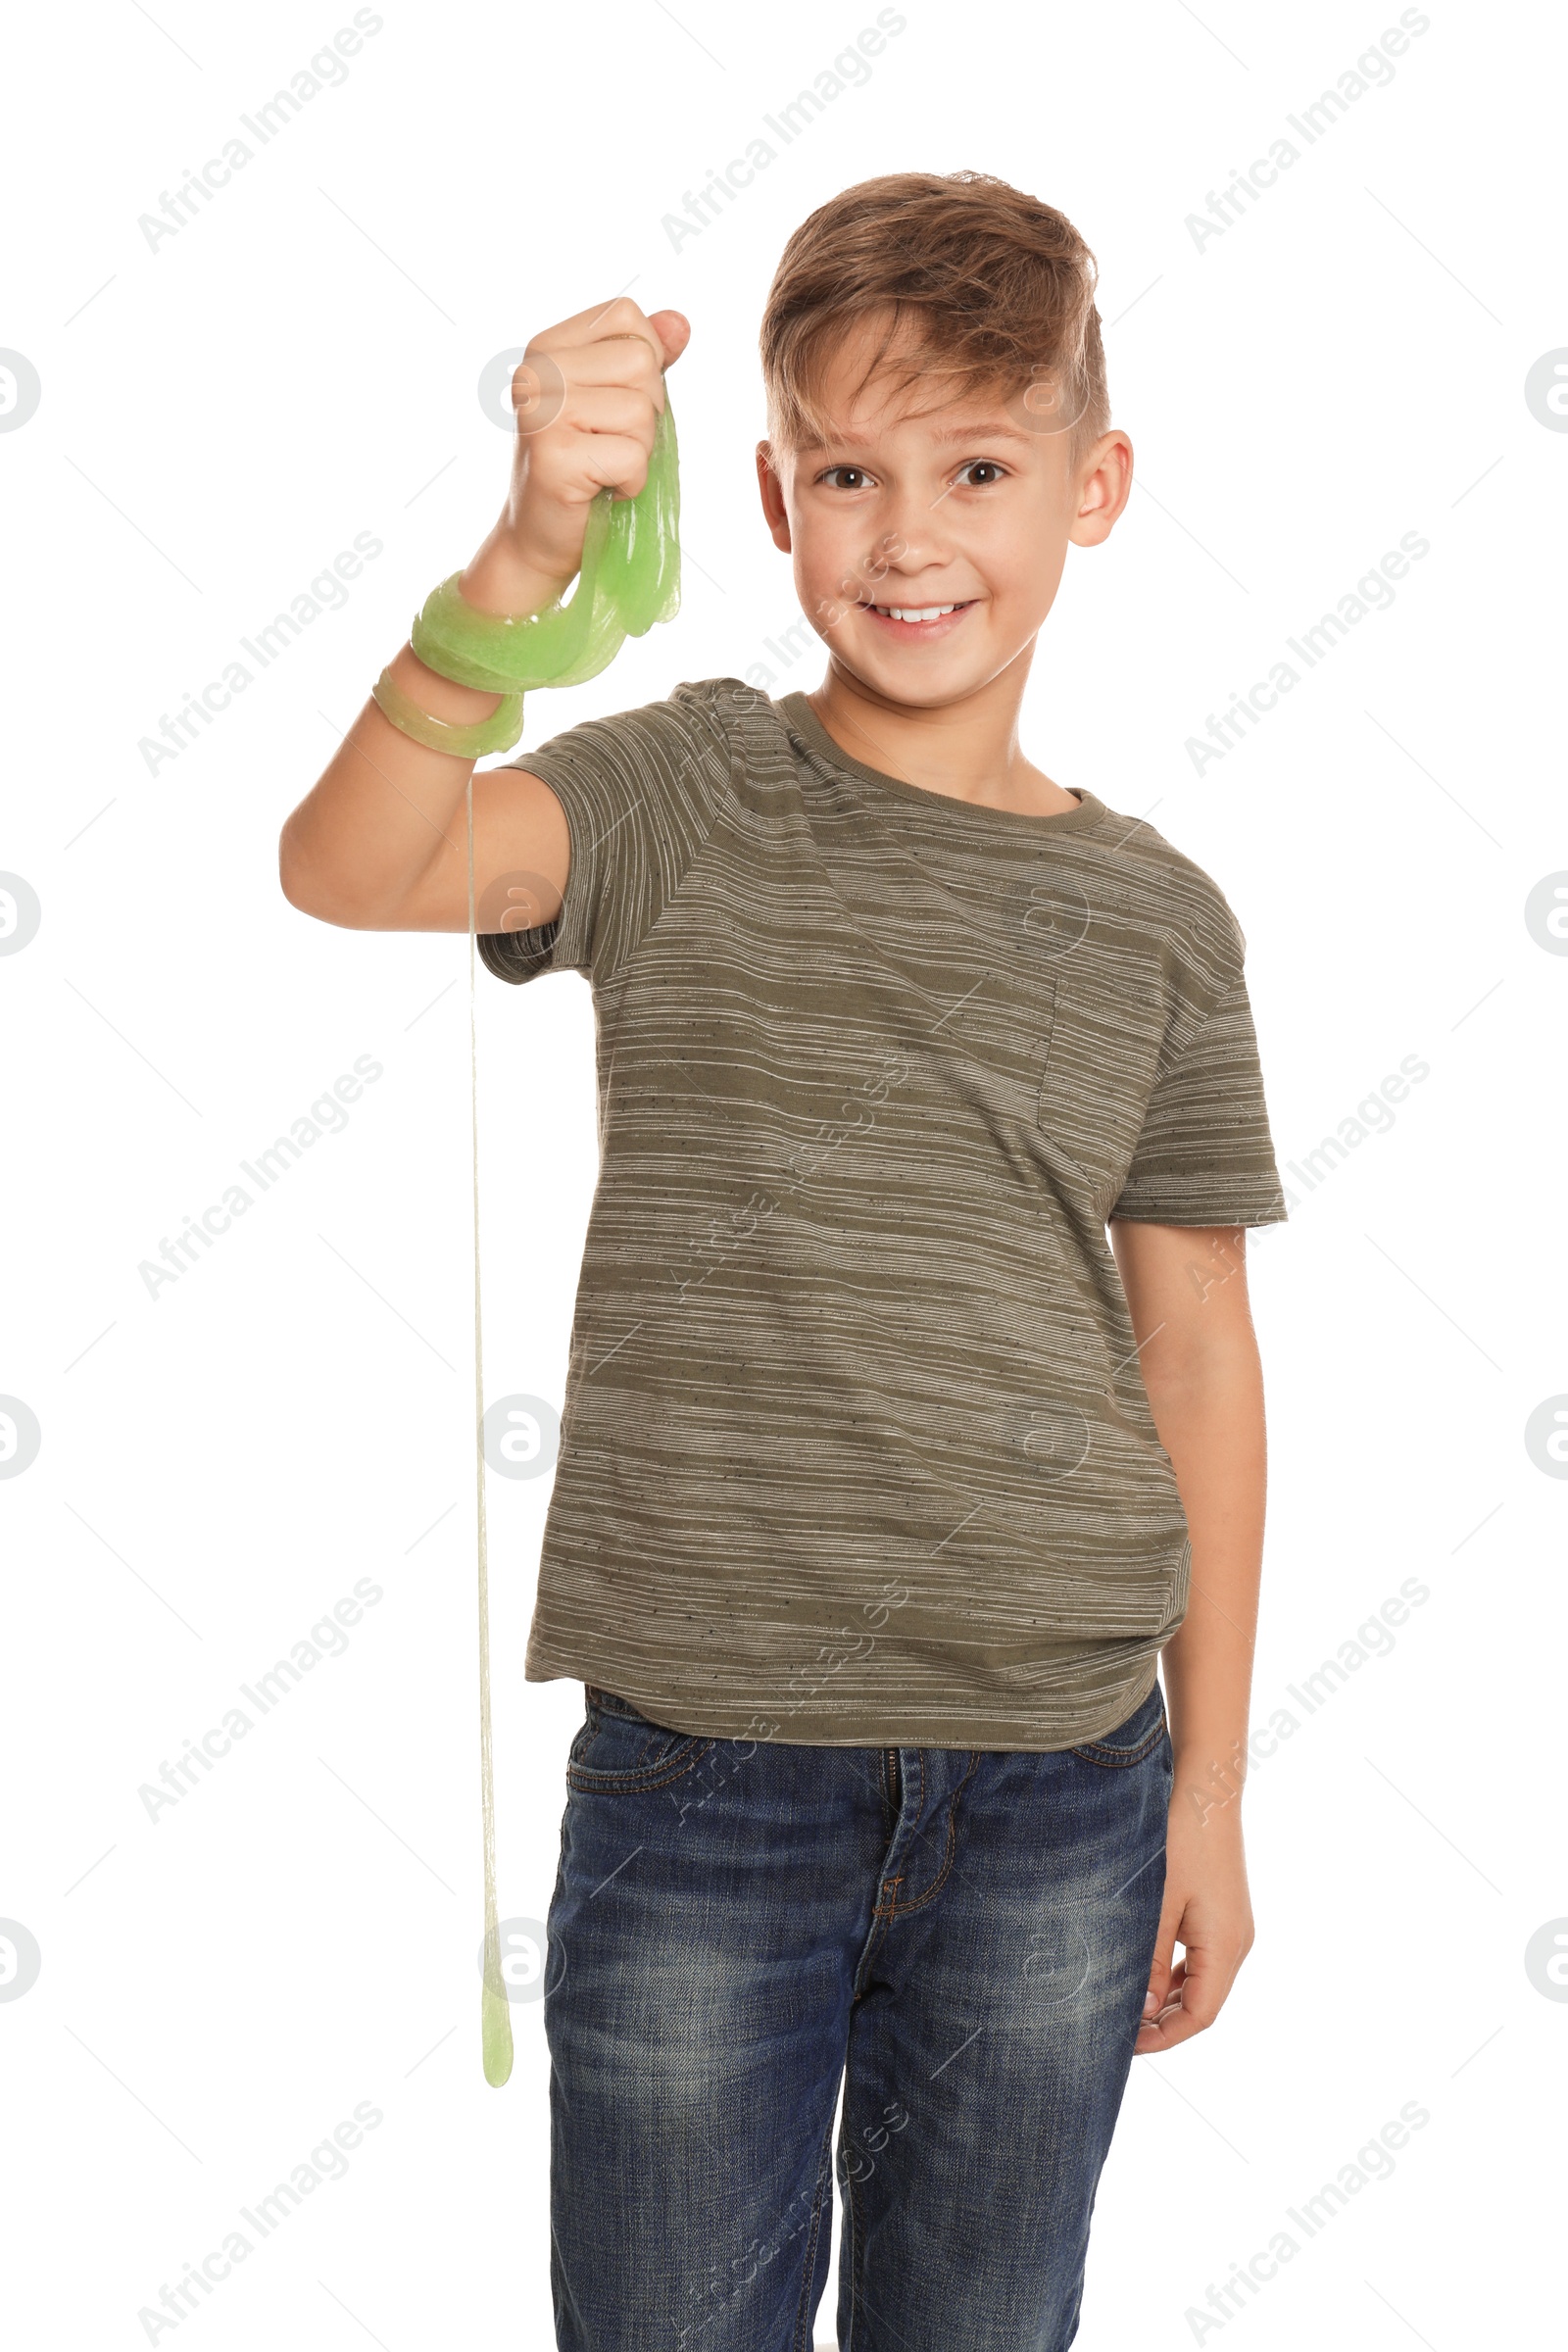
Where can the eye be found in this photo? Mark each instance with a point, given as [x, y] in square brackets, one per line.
[856, 477]
[981, 472]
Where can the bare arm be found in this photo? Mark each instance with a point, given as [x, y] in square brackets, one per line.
[1187, 1289]
[380, 840]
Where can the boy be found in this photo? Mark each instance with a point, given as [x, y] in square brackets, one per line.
[885, 1477]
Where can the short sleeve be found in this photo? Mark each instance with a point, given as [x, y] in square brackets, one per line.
[641, 792]
[1205, 1156]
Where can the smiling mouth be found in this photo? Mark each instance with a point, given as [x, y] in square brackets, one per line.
[917, 617]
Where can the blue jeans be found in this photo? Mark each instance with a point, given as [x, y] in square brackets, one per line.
[962, 1936]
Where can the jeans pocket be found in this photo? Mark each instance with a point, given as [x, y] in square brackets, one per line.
[619, 1749]
[1131, 1742]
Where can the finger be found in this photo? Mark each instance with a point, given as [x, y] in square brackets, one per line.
[1166, 2031]
[613, 461]
[1161, 2030]
[611, 360]
[623, 410]
[674, 331]
[1199, 1989]
[602, 323]
[1175, 1989]
[1164, 1995]
[1160, 1967]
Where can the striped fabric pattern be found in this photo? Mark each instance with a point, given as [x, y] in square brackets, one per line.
[855, 1449]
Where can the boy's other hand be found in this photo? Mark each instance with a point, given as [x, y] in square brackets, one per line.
[587, 397]
[1207, 1909]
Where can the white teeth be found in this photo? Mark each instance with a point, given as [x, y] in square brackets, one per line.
[915, 612]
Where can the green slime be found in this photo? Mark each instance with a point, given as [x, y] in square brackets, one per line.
[629, 578]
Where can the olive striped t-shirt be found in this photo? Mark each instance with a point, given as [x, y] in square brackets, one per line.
[855, 1447]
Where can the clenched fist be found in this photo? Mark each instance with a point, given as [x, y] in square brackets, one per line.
[587, 398]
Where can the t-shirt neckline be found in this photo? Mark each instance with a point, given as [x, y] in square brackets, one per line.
[798, 713]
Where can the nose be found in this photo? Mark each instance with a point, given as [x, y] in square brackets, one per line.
[910, 541]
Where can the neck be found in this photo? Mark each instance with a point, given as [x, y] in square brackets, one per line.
[968, 749]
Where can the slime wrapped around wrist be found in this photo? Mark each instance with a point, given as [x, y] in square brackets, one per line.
[497, 733]
[629, 578]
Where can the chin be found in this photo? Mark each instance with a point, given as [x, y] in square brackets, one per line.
[921, 686]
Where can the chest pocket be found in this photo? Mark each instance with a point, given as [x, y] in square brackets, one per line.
[1107, 1029]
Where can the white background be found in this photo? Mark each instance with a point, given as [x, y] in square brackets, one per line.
[218, 1464]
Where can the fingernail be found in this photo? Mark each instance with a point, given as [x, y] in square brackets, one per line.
[1150, 2005]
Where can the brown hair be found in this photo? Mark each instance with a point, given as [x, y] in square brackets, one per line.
[987, 289]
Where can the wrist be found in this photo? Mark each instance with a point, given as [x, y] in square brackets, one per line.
[505, 579]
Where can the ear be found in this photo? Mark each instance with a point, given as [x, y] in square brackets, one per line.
[772, 490]
[1105, 485]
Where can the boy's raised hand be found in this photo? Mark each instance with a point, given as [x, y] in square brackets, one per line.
[587, 396]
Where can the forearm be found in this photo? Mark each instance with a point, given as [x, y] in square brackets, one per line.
[1186, 1295]
[1207, 1396]
[384, 806]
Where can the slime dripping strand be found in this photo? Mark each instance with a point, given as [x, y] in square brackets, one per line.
[628, 579]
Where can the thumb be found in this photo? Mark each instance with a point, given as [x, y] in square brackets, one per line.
[674, 332]
[1160, 1967]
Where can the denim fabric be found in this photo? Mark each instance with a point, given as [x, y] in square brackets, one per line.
[964, 1936]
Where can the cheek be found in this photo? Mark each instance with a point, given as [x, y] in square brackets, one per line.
[1024, 570]
[831, 566]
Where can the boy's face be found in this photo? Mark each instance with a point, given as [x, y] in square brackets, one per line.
[972, 506]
